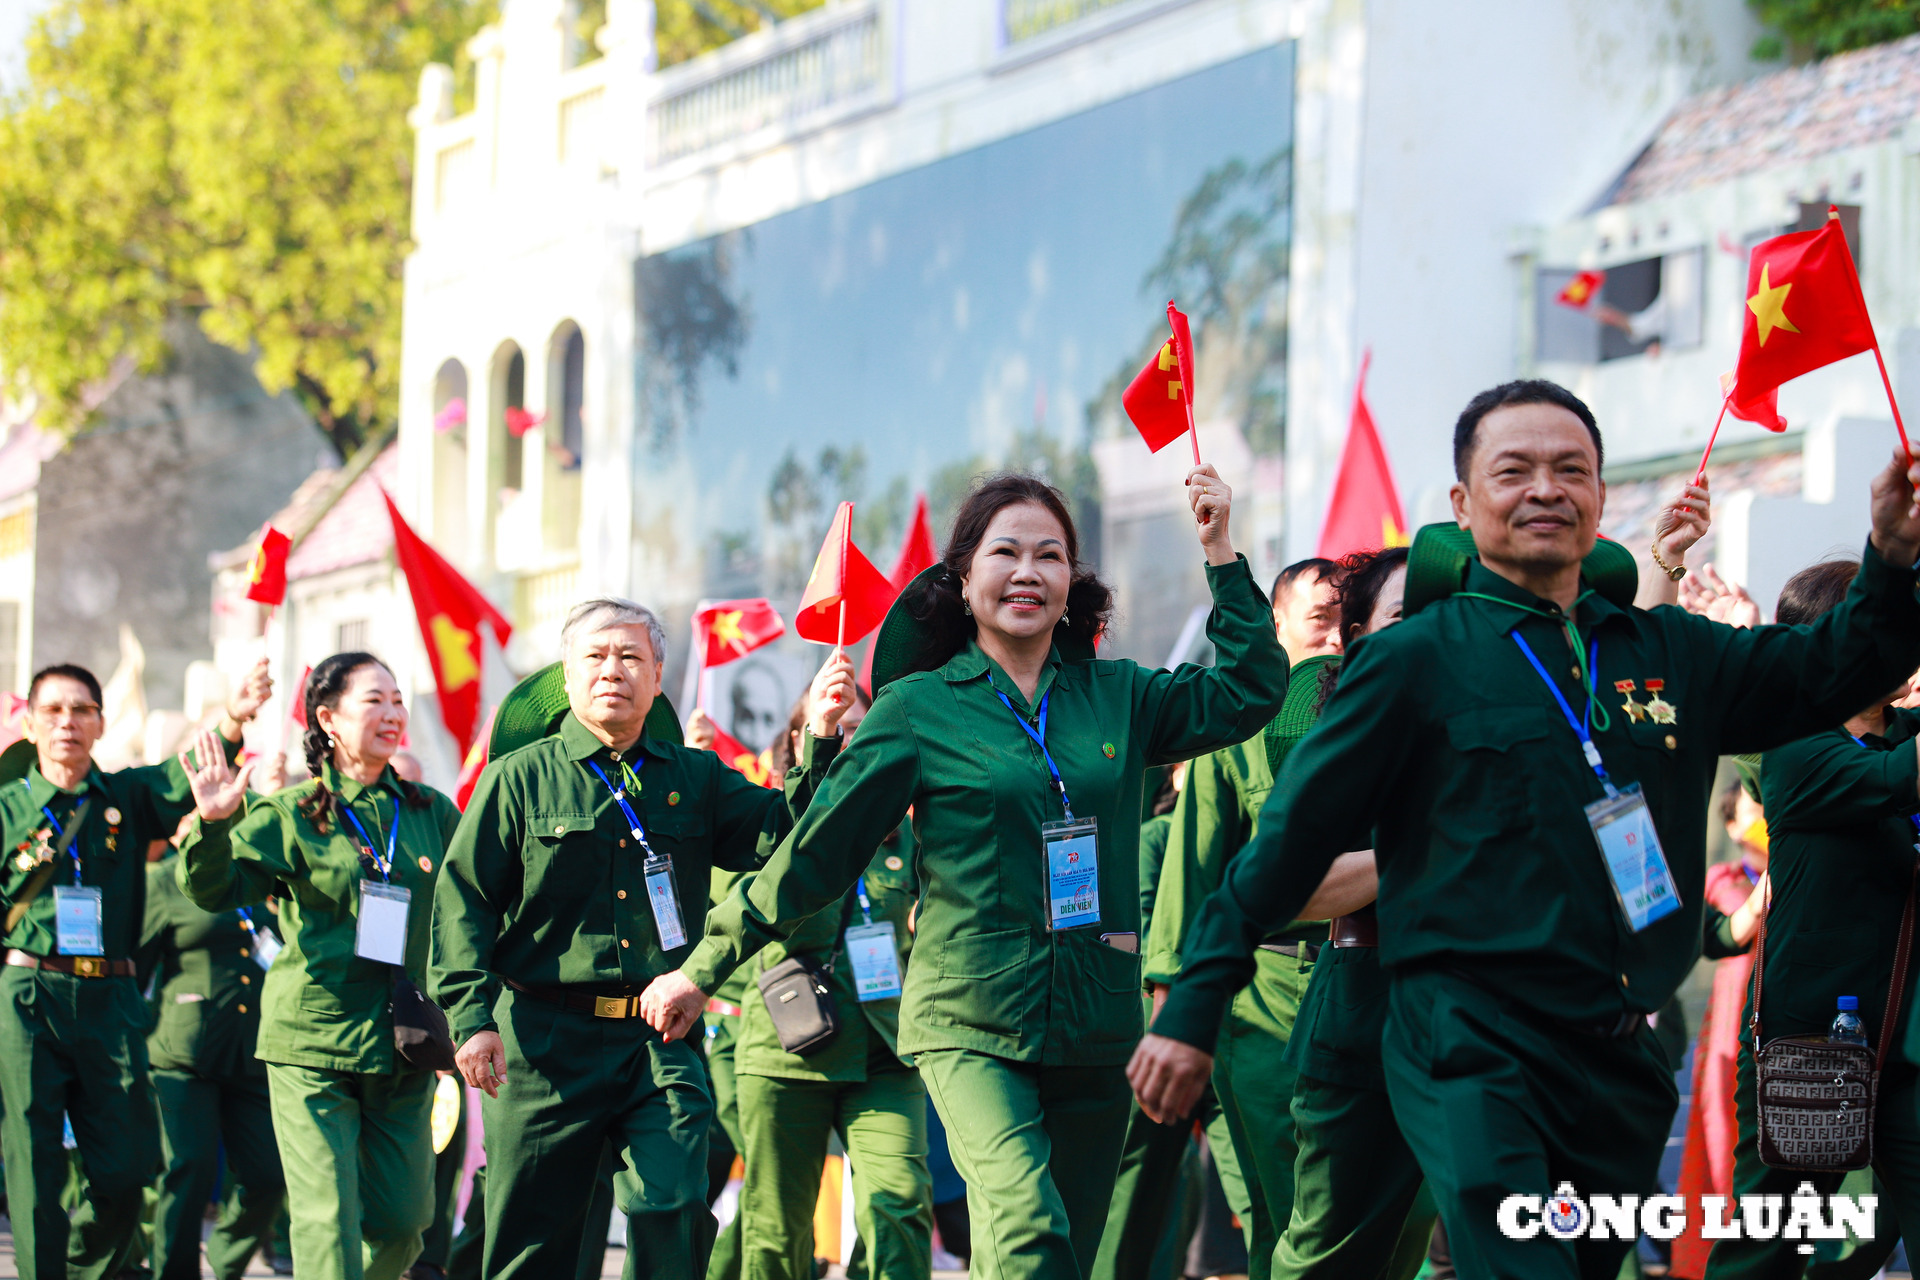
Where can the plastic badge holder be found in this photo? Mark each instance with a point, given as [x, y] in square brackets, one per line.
[265, 948]
[76, 920]
[876, 961]
[1072, 848]
[665, 901]
[1642, 882]
[382, 933]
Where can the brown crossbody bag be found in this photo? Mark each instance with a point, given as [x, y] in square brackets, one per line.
[1814, 1099]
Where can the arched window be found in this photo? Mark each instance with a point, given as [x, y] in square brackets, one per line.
[508, 411]
[567, 392]
[450, 459]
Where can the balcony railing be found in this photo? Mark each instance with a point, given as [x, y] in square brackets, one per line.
[803, 68]
[1025, 19]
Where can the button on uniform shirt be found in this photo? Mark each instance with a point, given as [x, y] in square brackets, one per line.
[150, 801]
[209, 984]
[1442, 738]
[544, 882]
[1840, 851]
[324, 1006]
[987, 974]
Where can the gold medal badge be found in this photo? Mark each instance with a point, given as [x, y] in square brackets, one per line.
[1634, 710]
[1662, 711]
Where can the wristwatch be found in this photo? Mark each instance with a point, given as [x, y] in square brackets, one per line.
[1674, 572]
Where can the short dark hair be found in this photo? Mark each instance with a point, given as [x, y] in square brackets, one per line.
[70, 671]
[1362, 576]
[1524, 391]
[1318, 566]
[1730, 802]
[1814, 590]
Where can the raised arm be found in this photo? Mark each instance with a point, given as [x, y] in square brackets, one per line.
[1198, 709]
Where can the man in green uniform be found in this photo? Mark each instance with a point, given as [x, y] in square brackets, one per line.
[579, 872]
[72, 1024]
[211, 1089]
[1517, 1054]
[856, 1087]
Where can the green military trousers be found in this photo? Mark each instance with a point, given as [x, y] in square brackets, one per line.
[1149, 1218]
[1254, 1082]
[200, 1116]
[882, 1124]
[1896, 1159]
[1496, 1101]
[357, 1151]
[723, 1034]
[74, 1049]
[1360, 1206]
[574, 1083]
[1034, 1217]
[436, 1246]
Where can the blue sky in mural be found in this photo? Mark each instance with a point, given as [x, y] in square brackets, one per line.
[927, 317]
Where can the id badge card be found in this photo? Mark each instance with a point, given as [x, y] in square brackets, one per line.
[665, 901]
[876, 961]
[266, 947]
[1073, 872]
[76, 920]
[382, 934]
[1642, 882]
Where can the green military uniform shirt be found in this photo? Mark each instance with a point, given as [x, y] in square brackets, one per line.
[866, 1030]
[1153, 852]
[988, 974]
[544, 883]
[209, 985]
[1442, 739]
[129, 810]
[1217, 815]
[1841, 858]
[324, 1006]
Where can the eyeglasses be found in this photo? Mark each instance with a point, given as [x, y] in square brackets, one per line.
[55, 710]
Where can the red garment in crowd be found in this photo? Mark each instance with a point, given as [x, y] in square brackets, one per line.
[1706, 1165]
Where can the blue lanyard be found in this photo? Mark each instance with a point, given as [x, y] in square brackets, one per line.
[393, 834]
[620, 798]
[59, 829]
[1914, 818]
[1581, 727]
[866, 908]
[1040, 737]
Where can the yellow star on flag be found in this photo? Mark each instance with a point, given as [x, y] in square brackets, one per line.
[1769, 306]
[458, 665]
[726, 629]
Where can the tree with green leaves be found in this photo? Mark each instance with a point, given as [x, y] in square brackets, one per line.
[1817, 28]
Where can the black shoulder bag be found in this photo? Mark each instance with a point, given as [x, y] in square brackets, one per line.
[805, 1017]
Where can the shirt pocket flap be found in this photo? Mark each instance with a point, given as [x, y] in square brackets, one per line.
[553, 824]
[1495, 728]
[983, 955]
[681, 822]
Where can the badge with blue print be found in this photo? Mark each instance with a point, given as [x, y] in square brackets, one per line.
[1073, 872]
[1642, 882]
[76, 920]
[665, 901]
[876, 961]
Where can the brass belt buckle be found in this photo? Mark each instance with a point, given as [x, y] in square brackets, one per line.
[612, 1006]
[89, 966]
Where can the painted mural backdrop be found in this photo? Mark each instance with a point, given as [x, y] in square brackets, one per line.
[980, 312]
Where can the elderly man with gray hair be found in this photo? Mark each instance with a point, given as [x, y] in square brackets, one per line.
[578, 875]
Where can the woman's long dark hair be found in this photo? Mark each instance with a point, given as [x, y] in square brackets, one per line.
[1360, 577]
[325, 687]
[941, 605]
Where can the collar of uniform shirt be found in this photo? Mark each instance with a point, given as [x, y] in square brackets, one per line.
[1591, 609]
[972, 663]
[45, 793]
[351, 789]
[581, 745]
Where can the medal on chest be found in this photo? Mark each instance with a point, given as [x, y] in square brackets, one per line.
[1635, 711]
[1659, 710]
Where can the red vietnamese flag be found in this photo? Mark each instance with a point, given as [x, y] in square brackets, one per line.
[1581, 290]
[734, 754]
[730, 629]
[1763, 408]
[846, 596]
[1364, 512]
[917, 553]
[450, 611]
[267, 574]
[474, 765]
[1804, 310]
[1158, 399]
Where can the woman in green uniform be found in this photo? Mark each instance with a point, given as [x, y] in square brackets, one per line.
[856, 1086]
[211, 1089]
[357, 850]
[1022, 758]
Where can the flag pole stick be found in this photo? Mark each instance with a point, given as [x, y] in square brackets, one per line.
[1700, 474]
[1893, 404]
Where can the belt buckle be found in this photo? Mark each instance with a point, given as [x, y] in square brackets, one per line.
[89, 966]
[612, 1006]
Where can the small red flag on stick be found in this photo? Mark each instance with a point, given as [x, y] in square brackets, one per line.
[917, 552]
[846, 596]
[730, 629]
[1581, 290]
[267, 574]
[1159, 400]
[734, 754]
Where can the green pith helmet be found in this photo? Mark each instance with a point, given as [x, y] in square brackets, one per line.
[16, 760]
[534, 708]
[901, 639]
[1437, 566]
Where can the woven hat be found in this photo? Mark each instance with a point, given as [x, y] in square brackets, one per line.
[1437, 567]
[16, 760]
[534, 708]
[902, 638]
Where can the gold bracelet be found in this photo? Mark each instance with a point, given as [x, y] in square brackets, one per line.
[1674, 572]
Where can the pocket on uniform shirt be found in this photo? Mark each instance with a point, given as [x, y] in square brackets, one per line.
[1491, 783]
[347, 1002]
[982, 982]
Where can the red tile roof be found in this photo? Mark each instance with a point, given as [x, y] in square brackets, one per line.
[355, 530]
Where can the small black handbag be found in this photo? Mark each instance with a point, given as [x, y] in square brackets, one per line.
[805, 1018]
[421, 1036]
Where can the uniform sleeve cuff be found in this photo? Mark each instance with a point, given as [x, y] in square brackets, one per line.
[706, 968]
[1192, 1015]
[817, 753]
[1225, 578]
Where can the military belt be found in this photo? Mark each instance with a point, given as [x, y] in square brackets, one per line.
[77, 966]
[1308, 951]
[1355, 931]
[600, 1006]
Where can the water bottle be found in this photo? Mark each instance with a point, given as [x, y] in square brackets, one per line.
[1847, 1027]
